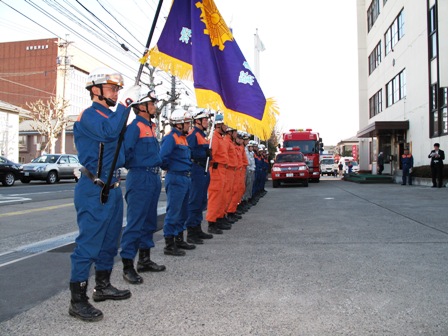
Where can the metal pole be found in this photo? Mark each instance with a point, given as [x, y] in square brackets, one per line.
[212, 130]
[106, 188]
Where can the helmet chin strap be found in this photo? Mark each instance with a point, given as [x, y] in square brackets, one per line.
[108, 101]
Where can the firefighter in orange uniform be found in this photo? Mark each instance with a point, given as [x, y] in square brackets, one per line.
[229, 139]
[218, 165]
[238, 186]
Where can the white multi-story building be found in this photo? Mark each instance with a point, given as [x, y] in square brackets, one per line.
[403, 79]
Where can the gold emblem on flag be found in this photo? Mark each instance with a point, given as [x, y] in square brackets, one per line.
[216, 27]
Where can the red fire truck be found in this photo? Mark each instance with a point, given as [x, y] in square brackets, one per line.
[310, 145]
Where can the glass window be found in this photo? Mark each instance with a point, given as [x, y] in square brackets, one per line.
[445, 120]
[394, 33]
[435, 124]
[375, 58]
[396, 89]
[372, 13]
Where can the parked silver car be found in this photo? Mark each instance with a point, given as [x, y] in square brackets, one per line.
[51, 168]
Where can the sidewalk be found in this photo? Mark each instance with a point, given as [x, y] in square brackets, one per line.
[337, 258]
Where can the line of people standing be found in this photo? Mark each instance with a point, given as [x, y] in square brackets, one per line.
[226, 179]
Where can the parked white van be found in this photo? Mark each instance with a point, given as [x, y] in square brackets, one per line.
[345, 160]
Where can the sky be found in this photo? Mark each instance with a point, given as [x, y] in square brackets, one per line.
[309, 65]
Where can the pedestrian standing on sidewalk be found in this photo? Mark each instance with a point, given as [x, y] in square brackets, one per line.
[437, 156]
[143, 186]
[407, 163]
[96, 135]
[380, 162]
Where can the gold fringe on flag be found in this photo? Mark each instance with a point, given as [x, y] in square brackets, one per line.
[261, 128]
[170, 64]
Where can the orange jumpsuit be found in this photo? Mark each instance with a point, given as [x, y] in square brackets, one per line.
[216, 189]
[238, 187]
[230, 171]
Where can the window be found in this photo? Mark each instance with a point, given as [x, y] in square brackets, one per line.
[394, 33]
[23, 145]
[444, 109]
[432, 32]
[375, 58]
[372, 13]
[396, 89]
[376, 104]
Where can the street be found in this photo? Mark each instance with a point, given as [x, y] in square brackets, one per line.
[336, 258]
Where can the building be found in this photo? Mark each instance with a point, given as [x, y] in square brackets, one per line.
[9, 130]
[403, 79]
[40, 69]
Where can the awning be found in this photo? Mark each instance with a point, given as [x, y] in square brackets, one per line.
[383, 128]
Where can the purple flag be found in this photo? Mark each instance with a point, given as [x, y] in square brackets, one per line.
[197, 45]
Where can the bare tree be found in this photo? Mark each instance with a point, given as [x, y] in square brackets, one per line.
[49, 119]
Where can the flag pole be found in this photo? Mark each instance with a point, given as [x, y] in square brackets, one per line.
[212, 129]
[106, 188]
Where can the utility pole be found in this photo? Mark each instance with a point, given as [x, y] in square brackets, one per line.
[64, 44]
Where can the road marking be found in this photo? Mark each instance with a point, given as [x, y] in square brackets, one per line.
[8, 214]
[9, 199]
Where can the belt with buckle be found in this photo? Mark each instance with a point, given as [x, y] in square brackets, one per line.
[154, 170]
[199, 162]
[97, 180]
[181, 173]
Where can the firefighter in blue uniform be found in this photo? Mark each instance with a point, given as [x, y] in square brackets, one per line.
[407, 163]
[96, 133]
[200, 177]
[176, 160]
[143, 186]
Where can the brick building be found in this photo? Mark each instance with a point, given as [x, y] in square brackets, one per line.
[40, 69]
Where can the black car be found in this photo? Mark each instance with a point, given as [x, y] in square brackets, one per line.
[9, 171]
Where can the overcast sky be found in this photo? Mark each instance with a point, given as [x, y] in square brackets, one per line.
[309, 65]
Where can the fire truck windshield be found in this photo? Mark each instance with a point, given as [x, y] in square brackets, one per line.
[306, 146]
[289, 158]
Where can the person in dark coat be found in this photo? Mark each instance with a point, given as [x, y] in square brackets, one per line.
[407, 162]
[437, 156]
[380, 163]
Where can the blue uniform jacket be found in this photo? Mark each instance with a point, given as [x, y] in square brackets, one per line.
[175, 153]
[407, 161]
[198, 145]
[98, 124]
[141, 145]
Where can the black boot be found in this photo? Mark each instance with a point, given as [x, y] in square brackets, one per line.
[234, 216]
[145, 264]
[213, 228]
[79, 303]
[129, 273]
[223, 224]
[192, 236]
[202, 234]
[180, 243]
[104, 289]
[171, 247]
[229, 220]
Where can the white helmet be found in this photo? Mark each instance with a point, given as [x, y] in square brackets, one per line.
[180, 116]
[147, 97]
[104, 76]
[200, 113]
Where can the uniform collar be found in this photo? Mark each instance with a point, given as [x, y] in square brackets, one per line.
[143, 120]
[98, 106]
[175, 130]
